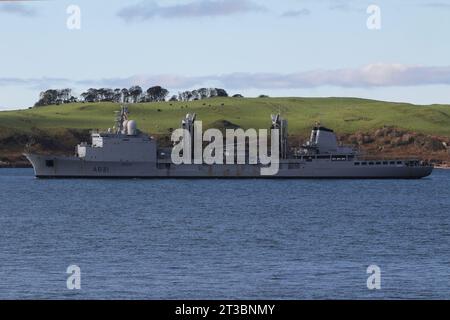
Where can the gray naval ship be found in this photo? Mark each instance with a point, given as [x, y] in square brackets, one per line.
[126, 152]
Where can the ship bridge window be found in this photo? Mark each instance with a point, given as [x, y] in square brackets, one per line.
[392, 162]
[378, 163]
[385, 162]
[399, 162]
[371, 163]
[363, 163]
[357, 163]
[49, 163]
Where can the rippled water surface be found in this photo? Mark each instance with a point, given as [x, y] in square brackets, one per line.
[215, 239]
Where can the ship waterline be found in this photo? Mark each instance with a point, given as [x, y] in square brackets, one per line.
[73, 167]
[128, 153]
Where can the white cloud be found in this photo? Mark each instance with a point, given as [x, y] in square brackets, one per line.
[372, 75]
[147, 10]
[439, 5]
[17, 9]
[295, 13]
[369, 76]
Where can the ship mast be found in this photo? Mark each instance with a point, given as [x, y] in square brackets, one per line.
[188, 124]
[282, 125]
[121, 117]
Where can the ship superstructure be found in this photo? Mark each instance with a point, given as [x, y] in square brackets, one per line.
[125, 152]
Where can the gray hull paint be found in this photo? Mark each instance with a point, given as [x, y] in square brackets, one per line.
[74, 167]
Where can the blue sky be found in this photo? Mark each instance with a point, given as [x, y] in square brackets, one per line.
[279, 48]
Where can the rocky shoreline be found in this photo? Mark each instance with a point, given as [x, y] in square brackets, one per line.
[391, 142]
[385, 142]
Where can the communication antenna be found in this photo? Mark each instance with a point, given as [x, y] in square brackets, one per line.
[121, 116]
[188, 124]
[282, 125]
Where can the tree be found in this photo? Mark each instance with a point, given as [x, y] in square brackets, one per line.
[105, 94]
[221, 92]
[73, 99]
[204, 93]
[91, 95]
[195, 95]
[185, 96]
[156, 94]
[117, 95]
[212, 92]
[64, 94]
[46, 98]
[125, 95]
[55, 96]
[131, 95]
[135, 92]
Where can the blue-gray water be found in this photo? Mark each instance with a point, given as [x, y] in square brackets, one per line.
[214, 239]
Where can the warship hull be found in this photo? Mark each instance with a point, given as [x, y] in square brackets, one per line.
[74, 167]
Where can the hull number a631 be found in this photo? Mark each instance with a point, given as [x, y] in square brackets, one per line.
[101, 169]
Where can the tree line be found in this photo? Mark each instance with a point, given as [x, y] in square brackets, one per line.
[135, 94]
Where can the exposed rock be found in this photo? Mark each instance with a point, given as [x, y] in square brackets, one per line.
[434, 145]
[394, 142]
[407, 139]
[367, 139]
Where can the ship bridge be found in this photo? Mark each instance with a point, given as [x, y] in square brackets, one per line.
[125, 144]
[324, 141]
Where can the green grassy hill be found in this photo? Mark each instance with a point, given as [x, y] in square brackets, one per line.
[345, 115]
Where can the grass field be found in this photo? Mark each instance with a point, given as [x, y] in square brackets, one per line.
[345, 115]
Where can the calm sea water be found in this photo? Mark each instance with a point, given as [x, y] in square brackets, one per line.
[219, 239]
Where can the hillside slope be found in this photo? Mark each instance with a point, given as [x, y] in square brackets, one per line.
[345, 115]
[394, 129]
